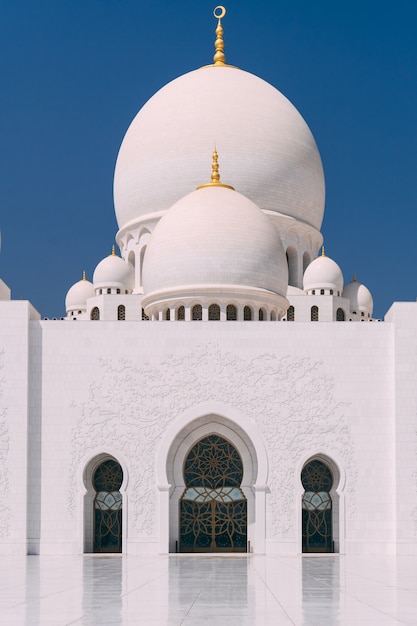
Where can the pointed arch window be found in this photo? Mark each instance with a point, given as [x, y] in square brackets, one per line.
[95, 313]
[107, 481]
[214, 313]
[121, 312]
[144, 316]
[168, 315]
[314, 313]
[261, 315]
[317, 481]
[181, 313]
[291, 314]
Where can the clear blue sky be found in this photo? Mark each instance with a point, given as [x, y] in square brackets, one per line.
[75, 72]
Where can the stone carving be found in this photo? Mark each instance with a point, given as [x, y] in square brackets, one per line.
[4, 453]
[291, 401]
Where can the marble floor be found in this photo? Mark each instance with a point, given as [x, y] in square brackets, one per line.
[208, 590]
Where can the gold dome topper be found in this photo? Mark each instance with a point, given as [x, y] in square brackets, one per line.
[219, 56]
[215, 176]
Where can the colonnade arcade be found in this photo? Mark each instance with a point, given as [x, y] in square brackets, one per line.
[212, 482]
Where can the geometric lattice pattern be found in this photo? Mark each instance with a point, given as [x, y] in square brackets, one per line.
[317, 481]
[107, 481]
[213, 508]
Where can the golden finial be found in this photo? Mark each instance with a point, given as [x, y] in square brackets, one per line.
[219, 56]
[354, 277]
[113, 252]
[84, 276]
[322, 251]
[215, 176]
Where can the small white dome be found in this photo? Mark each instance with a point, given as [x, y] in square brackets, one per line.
[215, 236]
[323, 273]
[360, 297]
[78, 294]
[113, 272]
[268, 151]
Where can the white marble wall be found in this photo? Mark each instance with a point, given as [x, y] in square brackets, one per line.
[137, 392]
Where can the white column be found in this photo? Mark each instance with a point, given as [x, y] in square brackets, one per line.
[260, 518]
[164, 518]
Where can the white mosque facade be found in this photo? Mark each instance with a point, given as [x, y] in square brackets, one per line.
[218, 387]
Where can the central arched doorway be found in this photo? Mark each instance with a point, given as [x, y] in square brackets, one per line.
[213, 507]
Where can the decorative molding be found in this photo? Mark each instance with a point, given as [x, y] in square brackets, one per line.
[4, 454]
[291, 401]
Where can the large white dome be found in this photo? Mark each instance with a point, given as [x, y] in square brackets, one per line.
[267, 148]
[214, 237]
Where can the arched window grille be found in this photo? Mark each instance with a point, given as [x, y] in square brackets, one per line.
[261, 315]
[144, 316]
[168, 315]
[231, 313]
[181, 313]
[314, 313]
[197, 313]
[213, 507]
[214, 313]
[121, 312]
[108, 290]
[340, 315]
[107, 481]
[291, 314]
[95, 313]
[322, 292]
[317, 481]
[247, 314]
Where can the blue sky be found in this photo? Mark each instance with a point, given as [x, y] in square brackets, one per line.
[75, 72]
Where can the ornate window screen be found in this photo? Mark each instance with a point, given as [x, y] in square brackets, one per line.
[291, 314]
[214, 313]
[95, 314]
[340, 315]
[213, 508]
[317, 481]
[107, 481]
[231, 313]
[197, 313]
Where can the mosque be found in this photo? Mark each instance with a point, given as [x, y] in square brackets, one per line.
[217, 387]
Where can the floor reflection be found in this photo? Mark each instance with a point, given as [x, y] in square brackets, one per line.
[321, 590]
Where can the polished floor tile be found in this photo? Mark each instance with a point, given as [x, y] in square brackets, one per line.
[182, 590]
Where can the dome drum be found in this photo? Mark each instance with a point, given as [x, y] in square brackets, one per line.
[273, 306]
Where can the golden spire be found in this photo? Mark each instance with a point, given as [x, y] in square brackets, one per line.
[215, 176]
[113, 252]
[322, 251]
[354, 277]
[84, 277]
[219, 56]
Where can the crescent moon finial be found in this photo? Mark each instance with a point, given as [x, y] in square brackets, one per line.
[222, 12]
[219, 56]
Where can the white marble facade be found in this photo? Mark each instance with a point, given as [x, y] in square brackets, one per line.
[139, 371]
